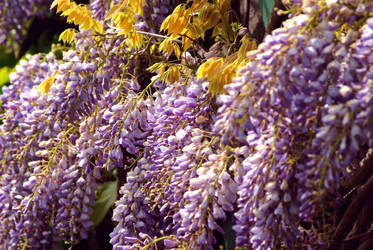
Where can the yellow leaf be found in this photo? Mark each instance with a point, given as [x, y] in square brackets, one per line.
[86, 24]
[176, 74]
[192, 33]
[67, 12]
[224, 76]
[116, 8]
[205, 13]
[187, 43]
[65, 5]
[217, 29]
[72, 16]
[177, 50]
[197, 4]
[55, 3]
[178, 21]
[67, 36]
[45, 86]
[224, 6]
[173, 75]
[212, 19]
[112, 11]
[203, 69]
[214, 68]
[166, 46]
[77, 14]
[164, 75]
[162, 69]
[174, 26]
[228, 73]
[137, 6]
[195, 31]
[179, 9]
[136, 40]
[123, 21]
[155, 67]
[163, 45]
[97, 26]
[165, 23]
[247, 44]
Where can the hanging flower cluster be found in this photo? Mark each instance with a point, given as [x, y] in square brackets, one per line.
[265, 152]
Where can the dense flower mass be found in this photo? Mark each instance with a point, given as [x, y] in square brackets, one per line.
[267, 155]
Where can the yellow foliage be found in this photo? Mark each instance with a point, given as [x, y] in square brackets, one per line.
[123, 14]
[133, 5]
[217, 29]
[62, 5]
[224, 7]
[171, 75]
[165, 23]
[209, 68]
[155, 67]
[185, 25]
[186, 40]
[197, 4]
[115, 9]
[137, 6]
[247, 44]
[45, 86]
[77, 14]
[162, 69]
[97, 26]
[136, 40]
[177, 22]
[208, 16]
[168, 46]
[219, 71]
[227, 74]
[125, 20]
[177, 50]
[67, 36]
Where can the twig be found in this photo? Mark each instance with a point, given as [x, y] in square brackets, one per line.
[157, 36]
[358, 236]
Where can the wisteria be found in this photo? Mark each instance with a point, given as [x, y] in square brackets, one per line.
[268, 154]
[304, 104]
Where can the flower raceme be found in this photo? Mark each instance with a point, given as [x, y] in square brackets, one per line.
[263, 151]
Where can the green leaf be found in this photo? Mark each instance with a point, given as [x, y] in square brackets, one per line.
[7, 58]
[4, 75]
[106, 197]
[266, 9]
[229, 234]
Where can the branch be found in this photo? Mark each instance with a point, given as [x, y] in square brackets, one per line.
[362, 175]
[367, 243]
[361, 226]
[349, 216]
